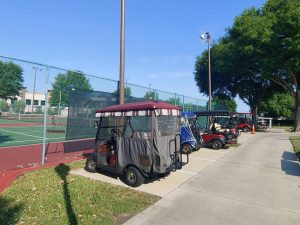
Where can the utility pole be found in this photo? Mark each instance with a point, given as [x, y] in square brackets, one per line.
[122, 49]
[209, 71]
[206, 37]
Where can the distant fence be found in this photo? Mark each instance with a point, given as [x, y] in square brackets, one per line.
[55, 107]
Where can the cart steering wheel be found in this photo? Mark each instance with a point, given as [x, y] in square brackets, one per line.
[116, 132]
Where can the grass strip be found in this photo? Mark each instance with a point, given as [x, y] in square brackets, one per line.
[53, 196]
[296, 143]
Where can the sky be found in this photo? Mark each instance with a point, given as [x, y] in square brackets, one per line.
[161, 37]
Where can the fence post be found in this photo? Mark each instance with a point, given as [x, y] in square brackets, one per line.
[175, 100]
[183, 103]
[45, 116]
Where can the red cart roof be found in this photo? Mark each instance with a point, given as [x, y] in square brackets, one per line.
[140, 109]
[143, 105]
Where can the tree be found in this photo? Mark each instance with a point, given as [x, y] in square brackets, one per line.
[226, 101]
[64, 83]
[18, 106]
[260, 50]
[11, 79]
[232, 75]
[281, 104]
[153, 95]
[271, 37]
[4, 107]
[127, 91]
[174, 100]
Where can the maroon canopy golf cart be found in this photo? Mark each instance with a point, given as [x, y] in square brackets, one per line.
[137, 140]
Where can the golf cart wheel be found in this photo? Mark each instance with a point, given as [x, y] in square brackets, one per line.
[186, 149]
[246, 129]
[133, 177]
[216, 144]
[90, 165]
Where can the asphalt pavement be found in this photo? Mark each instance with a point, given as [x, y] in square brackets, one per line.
[257, 183]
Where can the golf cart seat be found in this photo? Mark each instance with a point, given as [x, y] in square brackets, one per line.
[215, 127]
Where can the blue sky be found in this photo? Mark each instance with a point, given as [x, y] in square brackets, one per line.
[162, 36]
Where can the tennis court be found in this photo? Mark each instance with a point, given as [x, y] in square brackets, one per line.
[16, 133]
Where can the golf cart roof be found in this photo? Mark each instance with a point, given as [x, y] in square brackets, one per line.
[141, 108]
[212, 113]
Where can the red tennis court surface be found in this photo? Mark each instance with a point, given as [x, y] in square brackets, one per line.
[17, 157]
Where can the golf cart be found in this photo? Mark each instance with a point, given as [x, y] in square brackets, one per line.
[220, 122]
[244, 121]
[189, 139]
[137, 141]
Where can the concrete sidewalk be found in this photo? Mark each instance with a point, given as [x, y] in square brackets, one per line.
[258, 183]
[199, 160]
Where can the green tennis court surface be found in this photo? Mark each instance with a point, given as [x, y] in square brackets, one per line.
[28, 135]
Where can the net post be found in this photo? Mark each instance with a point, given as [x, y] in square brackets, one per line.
[45, 116]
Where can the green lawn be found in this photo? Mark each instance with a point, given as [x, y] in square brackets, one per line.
[296, 143]
[26, 135]
[53, 196]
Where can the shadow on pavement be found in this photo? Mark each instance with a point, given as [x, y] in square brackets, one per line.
[290, 164]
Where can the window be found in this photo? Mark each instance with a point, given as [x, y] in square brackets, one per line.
[28, 101]
[36, 102]
[168, 125]
[42, 102]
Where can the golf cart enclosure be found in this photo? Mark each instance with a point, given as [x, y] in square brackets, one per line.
[144, 134]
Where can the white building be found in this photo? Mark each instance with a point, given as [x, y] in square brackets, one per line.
[32, 101]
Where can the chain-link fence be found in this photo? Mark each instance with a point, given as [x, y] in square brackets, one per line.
[47, 113]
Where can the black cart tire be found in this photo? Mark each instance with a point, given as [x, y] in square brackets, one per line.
[133, 177]
[186, 149]
[216, 144]
[246, 129]
[90, 165]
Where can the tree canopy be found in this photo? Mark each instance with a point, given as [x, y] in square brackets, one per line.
[280, 104]
[11, 80]
[225, 101]
[127, 91]
[64, 83]
[259, 56]
[153, 95]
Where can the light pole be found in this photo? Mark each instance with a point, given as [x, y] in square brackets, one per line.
[122, 49]
[206, 37]
[34, 82]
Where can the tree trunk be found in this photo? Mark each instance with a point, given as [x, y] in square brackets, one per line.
[254, 115]
[297, 112]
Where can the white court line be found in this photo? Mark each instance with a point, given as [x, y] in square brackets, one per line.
[16, 146]
[7, 142]
[20, 133]
[212, 160]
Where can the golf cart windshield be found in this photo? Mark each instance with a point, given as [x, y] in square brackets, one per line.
[168, 125]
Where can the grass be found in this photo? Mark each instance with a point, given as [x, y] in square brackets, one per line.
[286, 128]
[234, 145]
[296, 143]
[53, 196]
